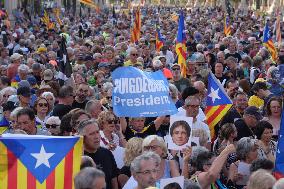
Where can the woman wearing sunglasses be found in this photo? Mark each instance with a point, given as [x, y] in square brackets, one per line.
[53, 125]
[111, 136]
[41, 108]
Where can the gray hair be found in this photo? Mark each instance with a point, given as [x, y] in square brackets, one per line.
[15, 111]
[261, 179]
[136, 163]
[173, 89]
[23, 68]
[90, 103]
[45, 94]
[160, 140]
[6, 89]
[83, 124]
[107, 86]
[244, 146]
[86, 177]
[279, 184]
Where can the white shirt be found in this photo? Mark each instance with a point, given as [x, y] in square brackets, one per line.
[169, 57]
[114, 136]
[182, 112]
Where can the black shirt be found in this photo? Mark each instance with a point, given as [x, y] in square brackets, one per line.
[80, 105]
[223, 78]
[60, 110]
[149, 130]
[125, 170]
[105, 161]
[235, 55]
[232, 116]
[243, 129]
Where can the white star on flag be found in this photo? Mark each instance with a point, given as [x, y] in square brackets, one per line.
[214, 94]
[42, 157]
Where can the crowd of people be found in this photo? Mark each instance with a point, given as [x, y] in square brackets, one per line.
[240, 155]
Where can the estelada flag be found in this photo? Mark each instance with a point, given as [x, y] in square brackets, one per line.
[159, 40]
[217, 104]
[180, 44]
[268, 43]
[39, 162]
[279, 162]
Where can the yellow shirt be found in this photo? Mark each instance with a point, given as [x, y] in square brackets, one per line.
[128, 63]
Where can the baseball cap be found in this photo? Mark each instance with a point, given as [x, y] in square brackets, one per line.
[24, 91]
[47, 75]
[175, 65]
[254, 111]
[16, 56]
[31, 79]
[103, 64]
[24, 83]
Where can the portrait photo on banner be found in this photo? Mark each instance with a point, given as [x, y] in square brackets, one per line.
[180, 132]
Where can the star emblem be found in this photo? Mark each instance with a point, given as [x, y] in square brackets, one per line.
[214, 94]
[42, 157]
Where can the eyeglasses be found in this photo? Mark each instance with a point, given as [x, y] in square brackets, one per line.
[192, 106]
[113, 121]
[147, 172]
[175, 69]
[53, 126]
[6, 96]
[42, 104]
[154, 147]
[84, 91]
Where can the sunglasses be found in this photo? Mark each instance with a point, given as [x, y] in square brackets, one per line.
[112, 121]
[53, 126]
[42, 104]
[134, 54]
[108, 97]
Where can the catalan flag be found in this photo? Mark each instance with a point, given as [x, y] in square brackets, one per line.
[278, 29]
[45, 19]
[135, 31]
[159, 40]
[91, 4]
[56, 12]
[227, 26]
[217, 104]
[39, 162]
[180, 44]
[279, 162]
[268, 43]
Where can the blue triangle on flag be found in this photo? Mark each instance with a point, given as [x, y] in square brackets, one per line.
[30, 150]
[216, 94]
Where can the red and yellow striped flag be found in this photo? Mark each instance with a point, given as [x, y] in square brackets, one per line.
[39, 162]
[91, 4]
[227, 27]
[135, 31]
[268, 43]
[180, 44]
[56, 12]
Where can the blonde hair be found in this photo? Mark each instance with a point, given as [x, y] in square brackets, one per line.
[261, 179]
[202, 134]
[133, 149]
[103, 117]
[160, 140]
